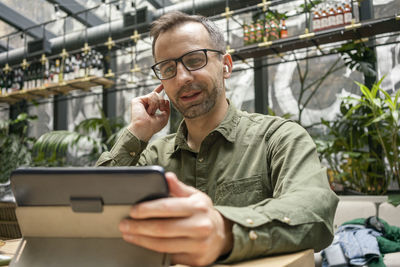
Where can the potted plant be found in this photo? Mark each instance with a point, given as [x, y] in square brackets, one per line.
[362, 145]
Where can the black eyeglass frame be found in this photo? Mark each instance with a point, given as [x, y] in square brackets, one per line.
[179, 59]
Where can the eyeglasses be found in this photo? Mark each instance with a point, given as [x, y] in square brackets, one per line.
[193, 60]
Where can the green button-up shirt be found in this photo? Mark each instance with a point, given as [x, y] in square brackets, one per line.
[261, 172]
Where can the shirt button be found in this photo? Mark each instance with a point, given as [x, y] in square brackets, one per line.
[201, 160]
[253, 235]
[249, 221]
[286, 219]
[132, 154]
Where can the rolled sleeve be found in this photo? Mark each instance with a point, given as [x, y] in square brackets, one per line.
[125, 152]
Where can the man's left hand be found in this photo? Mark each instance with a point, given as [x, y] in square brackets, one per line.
[186, 225]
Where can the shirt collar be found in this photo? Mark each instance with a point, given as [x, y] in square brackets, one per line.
[227, 128]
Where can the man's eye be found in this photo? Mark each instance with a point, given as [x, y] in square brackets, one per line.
[194, 61]
[167, 69]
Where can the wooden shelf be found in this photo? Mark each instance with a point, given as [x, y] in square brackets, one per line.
[356, 31]
[53, 89]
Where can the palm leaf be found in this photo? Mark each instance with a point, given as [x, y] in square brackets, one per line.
[56, 141]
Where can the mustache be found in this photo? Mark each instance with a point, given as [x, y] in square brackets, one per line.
[191, 87]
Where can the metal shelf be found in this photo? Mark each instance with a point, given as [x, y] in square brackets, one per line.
[355, 31]
[53, 89]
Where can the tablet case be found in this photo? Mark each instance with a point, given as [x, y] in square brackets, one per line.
[70, 216]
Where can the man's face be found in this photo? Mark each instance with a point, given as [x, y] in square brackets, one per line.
[193, 93]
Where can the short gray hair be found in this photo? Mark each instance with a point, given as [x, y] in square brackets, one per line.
[175, 18]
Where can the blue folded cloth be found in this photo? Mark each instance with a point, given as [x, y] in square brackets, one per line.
[358, 243]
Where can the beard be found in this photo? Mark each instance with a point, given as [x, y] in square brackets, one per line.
[203, 105]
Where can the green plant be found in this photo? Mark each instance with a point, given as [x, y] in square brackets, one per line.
[361, 147]
[80, 147]
[384, 118]
[15, 145]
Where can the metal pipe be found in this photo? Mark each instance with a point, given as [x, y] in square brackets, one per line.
[99, 34]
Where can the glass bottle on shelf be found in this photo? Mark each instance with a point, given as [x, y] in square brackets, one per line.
[347, 13]
[15, 84]
[33, 75]
[100, 67]
[92, 64]
[52, 72]
[20, 79]
[331, 17]
[267, 30]
[259, 31]
[46, 73]
[316, 21]
[245, 34]
[274, 33]
[284, 30]
[355, 10]
[324, 19]
[72, 66]
[56, 74]
[339, 15]
[10, 78]
[77, 66]
[39, 75]
[66, 69]
[82, 67]
[28, 77]
[252, 33]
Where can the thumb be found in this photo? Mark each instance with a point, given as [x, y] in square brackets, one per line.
[176, 187]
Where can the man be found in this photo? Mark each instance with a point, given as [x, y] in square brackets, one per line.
[249, 185]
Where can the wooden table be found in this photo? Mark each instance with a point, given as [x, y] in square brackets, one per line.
[300, 259]
[303, 258]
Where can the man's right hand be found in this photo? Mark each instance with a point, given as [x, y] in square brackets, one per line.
[145, 122]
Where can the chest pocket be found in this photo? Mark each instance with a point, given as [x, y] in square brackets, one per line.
[240, 193]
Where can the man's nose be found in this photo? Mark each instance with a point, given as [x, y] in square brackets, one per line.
[183, 76]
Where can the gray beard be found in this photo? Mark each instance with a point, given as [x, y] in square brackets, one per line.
[202, 108]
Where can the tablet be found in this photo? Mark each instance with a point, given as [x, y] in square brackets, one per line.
[70, 216]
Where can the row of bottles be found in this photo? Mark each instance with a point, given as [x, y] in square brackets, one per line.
[52, 72]
[326, 15]
[329, 15]
[268, 29]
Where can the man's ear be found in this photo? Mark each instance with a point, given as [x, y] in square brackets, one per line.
[228, 64]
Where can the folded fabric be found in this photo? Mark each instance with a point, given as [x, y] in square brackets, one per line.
[389, 242]
[359, 244]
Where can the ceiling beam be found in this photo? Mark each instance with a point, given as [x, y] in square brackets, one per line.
[76, 10]
[159, 3]
[22, 23]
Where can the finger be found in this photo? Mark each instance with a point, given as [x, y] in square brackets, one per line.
[154, 103]
[163, 208]
[164, 245]
[177, 188]
[164, 105]
[159, 88]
